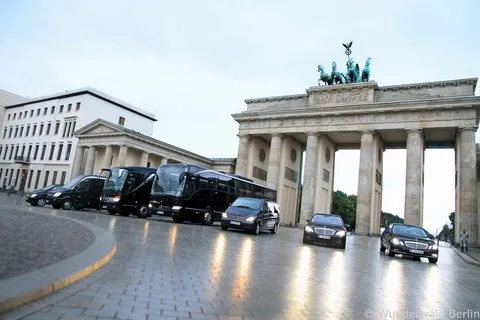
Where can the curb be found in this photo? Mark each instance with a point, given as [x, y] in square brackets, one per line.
[466, 258]
[31, 286]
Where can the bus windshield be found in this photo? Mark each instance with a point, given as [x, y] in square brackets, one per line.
[167, 182]
[114, 183]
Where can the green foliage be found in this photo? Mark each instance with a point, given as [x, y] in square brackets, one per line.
[445, 233]
[451, 217]
[346, 206]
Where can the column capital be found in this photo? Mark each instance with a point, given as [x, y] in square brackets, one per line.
[277, 135]
[472, 128]
[243, 135]
[414, 130]
[366, 131]
[313, 133]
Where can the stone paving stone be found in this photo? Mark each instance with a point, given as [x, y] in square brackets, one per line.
[100, 312]
[70, 317]
[42, 316]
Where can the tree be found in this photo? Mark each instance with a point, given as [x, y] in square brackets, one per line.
[387, 218]
[451, 217]
[345, 206]
[445, 233]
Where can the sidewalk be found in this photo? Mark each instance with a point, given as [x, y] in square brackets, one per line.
[42, 253]
[471, 257]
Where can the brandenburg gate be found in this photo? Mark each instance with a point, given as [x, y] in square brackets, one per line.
[355, 113]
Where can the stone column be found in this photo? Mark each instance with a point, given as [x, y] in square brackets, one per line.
[310, 175]
[414, 178]
[242, 156]
[107, 158]
[90, 160]
[466, 217]
[77, 162]
[274, 161]
[365, 184]
[163, 161]
[122, 155]
[144, 159]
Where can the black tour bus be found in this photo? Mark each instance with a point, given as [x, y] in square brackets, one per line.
[190, 192]
[127, 190]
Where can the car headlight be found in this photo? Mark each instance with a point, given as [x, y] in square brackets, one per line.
[224, 215]
[341, 233]
[57, 194]
[308, 229]
[251, 219]
[33, 195]
[395, 241]
[116, 198]
[434, 246]
[176, 208]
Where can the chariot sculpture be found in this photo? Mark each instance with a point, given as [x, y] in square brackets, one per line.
[351, 76]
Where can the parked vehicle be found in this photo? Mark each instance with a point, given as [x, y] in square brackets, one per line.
[80, 192]
[325, 229]
[37, 197]
[405, 239]
[252, 215]
[190, 192]
[127, 190]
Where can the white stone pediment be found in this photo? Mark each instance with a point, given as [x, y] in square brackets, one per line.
[99, 127]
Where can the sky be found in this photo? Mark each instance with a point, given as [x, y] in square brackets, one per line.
[193, 63]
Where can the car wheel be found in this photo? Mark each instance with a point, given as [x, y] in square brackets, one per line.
[207, 217]
[274, 229]
[67, 204]
[177, 220]
[432, 260]
[112, 211]
[417, 258]
[56, 206]
[40, 202]
[143, 212]
[257, 229]
[388, 250]
[382, 248]
[224, 227]
[305, 241]
[343, 245]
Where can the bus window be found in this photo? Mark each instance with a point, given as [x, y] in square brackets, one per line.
[207, 180]
[258, 191]
[244, 189]
[226, 184]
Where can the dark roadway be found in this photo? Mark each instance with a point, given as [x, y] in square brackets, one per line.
[164, 270]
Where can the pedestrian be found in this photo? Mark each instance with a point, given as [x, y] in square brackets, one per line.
[464, 237]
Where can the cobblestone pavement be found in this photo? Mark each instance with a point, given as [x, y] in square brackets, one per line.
[30, 241]
[164, 270]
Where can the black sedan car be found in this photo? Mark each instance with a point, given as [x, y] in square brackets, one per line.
[252, 215]
[37, 197]
[409, 240]
[325, 229]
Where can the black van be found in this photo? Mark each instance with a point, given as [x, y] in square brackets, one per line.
[252, 215]
[81, 192]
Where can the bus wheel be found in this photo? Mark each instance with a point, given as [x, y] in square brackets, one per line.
[207, 217]
[142, 212]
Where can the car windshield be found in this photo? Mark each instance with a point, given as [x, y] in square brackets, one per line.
[327, 219]
[72, 183]
[409, 231]
[253, 204]
[115, 181]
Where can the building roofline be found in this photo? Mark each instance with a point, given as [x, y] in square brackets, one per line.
[93, 92]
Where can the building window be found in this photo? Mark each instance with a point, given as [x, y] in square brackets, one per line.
[54, 177]
[69, 108]
[14, 116]
[16, 132]
[21, 131]
[36, 152]
[65, 129]
[16, 150]
[62, 180]
[10, 177]
[10, 132]
[73, 128]
[34, 129]
[8, 119]
[4, 133]
[44, 149]
[45, 182]
[5, 154]
[60, 149]
[30, 175]
[52, 110]
[45, 110]
[41, 130]
[1, 149]
[57, 127]
[77, 107]
[61, 109]
[326, 175]
[23, 151]
[49, 126]
[28, 131]
[11, 152]
[29, 152]
[38, 112]
[25, 114]
[121, 121]
[67, 153]
[5, 178]
[52, 151]
[31, 115]
[37, 179]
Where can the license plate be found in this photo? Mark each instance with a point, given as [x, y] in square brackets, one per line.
[104, 207]
[237, 223]
[321, 236]
[416, 251]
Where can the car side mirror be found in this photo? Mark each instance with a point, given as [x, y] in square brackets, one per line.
[308, 220]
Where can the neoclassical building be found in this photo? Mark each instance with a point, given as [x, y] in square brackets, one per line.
[274, 132]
